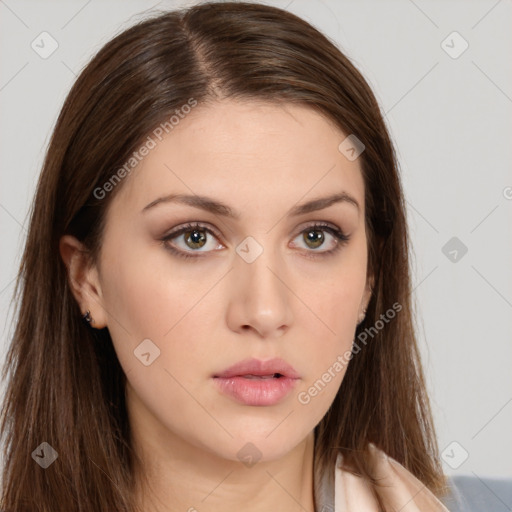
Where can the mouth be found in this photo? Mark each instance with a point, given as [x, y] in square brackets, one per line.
[257, 383]
[273, 376]
[255, 368]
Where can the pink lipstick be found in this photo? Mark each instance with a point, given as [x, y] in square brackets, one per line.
[257, 383]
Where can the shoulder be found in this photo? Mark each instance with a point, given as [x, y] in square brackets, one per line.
[399, 489]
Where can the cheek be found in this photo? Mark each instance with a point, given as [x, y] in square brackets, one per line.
[329, 329]
[149, 296]
[153, 301]
[332, 305]
[145, 292]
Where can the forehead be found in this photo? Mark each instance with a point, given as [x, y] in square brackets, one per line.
[246, 154]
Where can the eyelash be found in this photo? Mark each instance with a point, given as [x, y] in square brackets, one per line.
[341, 238]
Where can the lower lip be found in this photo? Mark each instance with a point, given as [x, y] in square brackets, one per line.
[256, 391]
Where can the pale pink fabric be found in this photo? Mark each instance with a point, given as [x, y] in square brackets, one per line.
[400, 490]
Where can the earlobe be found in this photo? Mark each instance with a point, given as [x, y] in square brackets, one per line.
[83, 280]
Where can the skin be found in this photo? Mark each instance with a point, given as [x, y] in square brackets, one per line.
[206, 313]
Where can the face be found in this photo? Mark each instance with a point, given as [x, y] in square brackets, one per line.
[228, 315]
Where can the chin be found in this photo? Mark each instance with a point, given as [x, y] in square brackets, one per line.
[265, 446]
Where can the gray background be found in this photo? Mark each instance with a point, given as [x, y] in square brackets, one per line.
[451, 121]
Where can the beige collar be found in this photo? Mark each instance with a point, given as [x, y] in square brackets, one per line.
[399, 489]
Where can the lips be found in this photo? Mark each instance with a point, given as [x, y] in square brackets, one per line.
[257, 383]
[255, 368]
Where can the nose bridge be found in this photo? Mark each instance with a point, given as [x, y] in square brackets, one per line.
[257, 268]
[260, 278]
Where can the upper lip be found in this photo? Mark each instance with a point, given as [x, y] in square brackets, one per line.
[257, 367]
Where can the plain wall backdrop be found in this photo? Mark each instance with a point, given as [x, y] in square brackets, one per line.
[442, 73]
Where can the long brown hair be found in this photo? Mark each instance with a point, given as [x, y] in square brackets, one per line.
[65, 385]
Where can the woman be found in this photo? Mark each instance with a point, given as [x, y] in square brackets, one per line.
[214, 298]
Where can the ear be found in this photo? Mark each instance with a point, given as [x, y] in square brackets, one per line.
[367, 295]
[83, 279]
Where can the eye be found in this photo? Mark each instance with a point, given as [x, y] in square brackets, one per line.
[195, 238]
[314, 237]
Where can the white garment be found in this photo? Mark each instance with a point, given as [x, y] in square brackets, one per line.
[399, 489]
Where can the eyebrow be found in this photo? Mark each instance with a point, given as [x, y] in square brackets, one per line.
[218, 208]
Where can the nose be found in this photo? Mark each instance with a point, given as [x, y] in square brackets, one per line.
[259, 296]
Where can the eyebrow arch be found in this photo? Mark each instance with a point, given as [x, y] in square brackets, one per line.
[218, 208]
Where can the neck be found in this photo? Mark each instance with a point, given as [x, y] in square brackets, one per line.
[181, 477]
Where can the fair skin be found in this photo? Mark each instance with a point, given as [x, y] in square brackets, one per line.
[206, 313]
